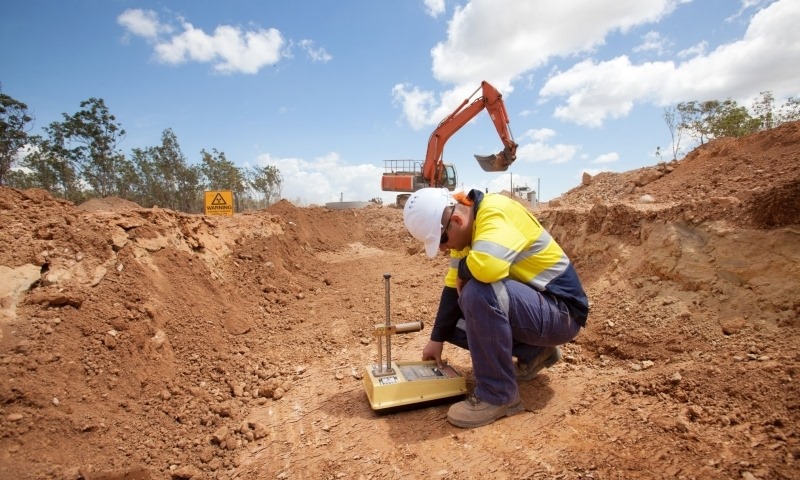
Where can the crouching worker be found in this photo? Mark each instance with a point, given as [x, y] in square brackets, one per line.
[510, 292]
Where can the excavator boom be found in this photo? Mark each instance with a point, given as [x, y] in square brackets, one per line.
[492, 100]
[409, 176]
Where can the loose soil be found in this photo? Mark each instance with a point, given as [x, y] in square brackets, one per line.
[150, 344]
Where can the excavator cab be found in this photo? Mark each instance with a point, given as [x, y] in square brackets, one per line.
[450, 179]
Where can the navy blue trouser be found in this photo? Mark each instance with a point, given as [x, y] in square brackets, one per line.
[503, 320]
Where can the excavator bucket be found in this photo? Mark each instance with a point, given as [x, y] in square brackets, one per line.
[492, 163]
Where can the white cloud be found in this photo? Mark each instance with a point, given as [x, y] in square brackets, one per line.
[540, 151]
[607, 158]
[229, 48]
[652, 42]
[741, 69]
[434, 8]
[142, 23]
[424, 108]
[746, 5]
[501, 40]
[315, 54]
[325, 179]
[596, 91]
[694, 50]
[416, 104]
[540, 134]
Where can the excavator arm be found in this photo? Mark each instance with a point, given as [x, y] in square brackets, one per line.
[408, 176]
[492, 100]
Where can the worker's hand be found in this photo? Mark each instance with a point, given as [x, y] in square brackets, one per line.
[460, 282]
[433, 351]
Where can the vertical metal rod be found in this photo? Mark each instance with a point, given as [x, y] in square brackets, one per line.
[387, 276]
[379, 368]
[539, 191]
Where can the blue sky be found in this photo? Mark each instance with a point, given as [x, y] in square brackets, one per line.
[327, 90]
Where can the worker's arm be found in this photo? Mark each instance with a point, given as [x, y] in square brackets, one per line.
[446, 318]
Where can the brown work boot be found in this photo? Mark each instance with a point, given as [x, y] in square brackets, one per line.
[549, 357]
[474, 412]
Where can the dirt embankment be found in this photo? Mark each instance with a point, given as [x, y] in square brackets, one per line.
[145, 343]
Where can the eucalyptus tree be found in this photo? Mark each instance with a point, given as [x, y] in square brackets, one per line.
[165, 178]
[266, 181]
[14, 119]
[221, 174]
[90, 140]
[711, 119]
[671, 117]
[732, 120]
[181, 182]
[789, 111]
[48, 167]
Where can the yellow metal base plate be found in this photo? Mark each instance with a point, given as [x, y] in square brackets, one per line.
[411, 382]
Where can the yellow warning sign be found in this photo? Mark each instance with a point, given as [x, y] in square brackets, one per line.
[219, 202]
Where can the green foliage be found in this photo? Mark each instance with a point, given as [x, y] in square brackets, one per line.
[732, 120]
[14, 119]
[89, 139]
[716, 119]
[266, 181]
[789, 111]
[164, 178]
[697, 117]
[78, 158]
[763, 110]
[50, 169]
[221, 174]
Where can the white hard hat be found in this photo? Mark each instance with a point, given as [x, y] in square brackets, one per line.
[422, 216]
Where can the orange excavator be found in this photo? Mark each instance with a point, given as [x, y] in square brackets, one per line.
[411, 175]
